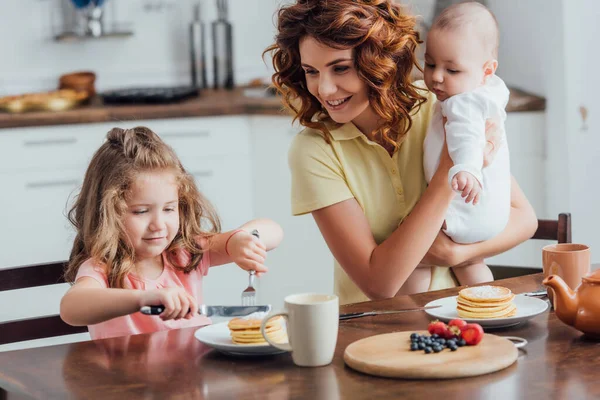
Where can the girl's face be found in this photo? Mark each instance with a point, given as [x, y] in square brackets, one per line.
[332, 78]
[152, 217]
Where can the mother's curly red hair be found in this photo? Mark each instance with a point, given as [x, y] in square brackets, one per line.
[384, 40]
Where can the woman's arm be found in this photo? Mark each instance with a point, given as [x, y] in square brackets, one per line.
[270, 234]
[381, 270]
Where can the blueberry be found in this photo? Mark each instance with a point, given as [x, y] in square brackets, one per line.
[421, 346]
[435, 336]
[414, 336]
[451, 343]
[453, 348]
[441, 341]
[461, 343]
[428, 350]
[437, 349]
[414, 347]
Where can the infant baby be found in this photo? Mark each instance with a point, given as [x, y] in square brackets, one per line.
[460, 65]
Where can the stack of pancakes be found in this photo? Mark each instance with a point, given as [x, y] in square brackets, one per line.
[246, 330]
[485, 302]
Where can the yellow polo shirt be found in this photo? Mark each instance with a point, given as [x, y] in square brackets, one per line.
[352, 166]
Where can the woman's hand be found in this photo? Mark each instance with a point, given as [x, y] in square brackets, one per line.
[177, 302]
[248, 252]
[494, 140]
[443, 252]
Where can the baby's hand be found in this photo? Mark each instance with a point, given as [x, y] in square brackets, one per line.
[248, 252]
[177, 302]
[466, 183]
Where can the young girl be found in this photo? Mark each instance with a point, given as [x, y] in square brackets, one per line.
[146, 236]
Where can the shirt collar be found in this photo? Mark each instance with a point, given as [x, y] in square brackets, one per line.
[347, 131]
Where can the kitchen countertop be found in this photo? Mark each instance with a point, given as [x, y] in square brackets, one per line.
[209, 103]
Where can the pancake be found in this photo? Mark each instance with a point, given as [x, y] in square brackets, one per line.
[278, 337]
[495, 304]
[246, 330]
[485, 302]
[253, 322]
[486, 294]
[508, 312]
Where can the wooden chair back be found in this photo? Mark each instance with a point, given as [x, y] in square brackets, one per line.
[548, 229]
[555, 229]
[29, 276]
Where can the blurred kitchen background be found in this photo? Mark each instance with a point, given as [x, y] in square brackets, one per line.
[156, 52]
[236, 143]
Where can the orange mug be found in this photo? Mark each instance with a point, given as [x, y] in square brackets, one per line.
[569, 261]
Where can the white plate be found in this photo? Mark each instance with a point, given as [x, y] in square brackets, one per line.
[527, 308]
[217, 336]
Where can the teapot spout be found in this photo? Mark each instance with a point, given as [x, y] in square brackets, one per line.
[565, 299]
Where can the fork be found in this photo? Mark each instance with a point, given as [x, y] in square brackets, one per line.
[249, 294]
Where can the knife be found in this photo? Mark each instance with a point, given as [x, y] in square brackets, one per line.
[539, 293]
[371, 313]
[220, 311]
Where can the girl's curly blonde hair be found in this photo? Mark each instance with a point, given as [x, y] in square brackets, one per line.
[384, 40]
[101, 203]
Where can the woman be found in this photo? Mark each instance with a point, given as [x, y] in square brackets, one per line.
[344, 68]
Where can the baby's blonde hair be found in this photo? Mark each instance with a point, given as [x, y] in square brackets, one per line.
[475, 15]
[101, 203]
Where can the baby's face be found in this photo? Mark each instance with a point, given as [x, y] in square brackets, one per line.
[454, 62]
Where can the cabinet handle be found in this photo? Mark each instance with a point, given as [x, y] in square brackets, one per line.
[39, 185]
[49, 142]
[202, 174]
[186, 134]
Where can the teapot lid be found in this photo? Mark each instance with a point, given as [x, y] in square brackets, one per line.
[593, 277]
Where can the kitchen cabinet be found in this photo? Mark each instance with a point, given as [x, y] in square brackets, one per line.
[302, 263]
[526, 136]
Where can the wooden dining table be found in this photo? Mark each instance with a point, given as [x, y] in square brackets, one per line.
[558, 362]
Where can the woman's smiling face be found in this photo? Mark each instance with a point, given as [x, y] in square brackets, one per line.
[332, 78]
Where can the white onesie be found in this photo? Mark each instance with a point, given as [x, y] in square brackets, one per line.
[466, 114]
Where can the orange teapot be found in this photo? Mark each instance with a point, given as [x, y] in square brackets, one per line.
[579, 308]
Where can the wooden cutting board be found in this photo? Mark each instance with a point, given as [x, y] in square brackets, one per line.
[389, 355]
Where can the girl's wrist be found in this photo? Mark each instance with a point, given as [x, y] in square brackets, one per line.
[141, 297]
[229, 238]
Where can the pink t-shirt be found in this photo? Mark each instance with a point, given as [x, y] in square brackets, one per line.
[140, 323]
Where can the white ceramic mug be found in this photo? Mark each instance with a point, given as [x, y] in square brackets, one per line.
[312, 326]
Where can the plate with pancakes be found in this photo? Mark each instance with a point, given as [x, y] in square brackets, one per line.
[489, 306]
[242, 337]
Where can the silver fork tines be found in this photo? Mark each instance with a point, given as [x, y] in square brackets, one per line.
[249, 294]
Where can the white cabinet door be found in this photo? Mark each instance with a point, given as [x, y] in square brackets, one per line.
[227, 183]
[33, 209]
[525, 133]
[302, 263]
[49, 148]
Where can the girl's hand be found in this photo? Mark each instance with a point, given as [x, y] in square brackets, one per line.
[443, 252]
[177, 302]
[248, 252]
[493, 137]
